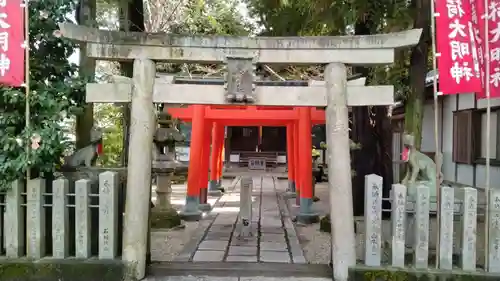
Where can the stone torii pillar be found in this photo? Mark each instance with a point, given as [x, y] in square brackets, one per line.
[241, 54]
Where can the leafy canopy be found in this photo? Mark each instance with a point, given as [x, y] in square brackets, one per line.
[55, 94]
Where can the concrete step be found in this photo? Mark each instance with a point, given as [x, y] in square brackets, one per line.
[238, 271]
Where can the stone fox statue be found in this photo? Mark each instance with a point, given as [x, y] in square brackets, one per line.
[420, 166]
[87, 155]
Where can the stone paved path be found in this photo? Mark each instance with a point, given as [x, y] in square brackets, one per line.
[274, 238]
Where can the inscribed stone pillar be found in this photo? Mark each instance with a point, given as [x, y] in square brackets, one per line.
[446, 227]
[494, 233]
[469, 228]
[398, 219]
[60, 219]
[108, 214]
[14, 217]
[35, 222]
[339, 171]
[373, 219]
[82, 219]
[142, 128]
[420, 226]
[246, 206]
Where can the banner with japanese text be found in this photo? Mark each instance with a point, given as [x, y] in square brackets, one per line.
[458, 63]
[492, 14]
[11, 43]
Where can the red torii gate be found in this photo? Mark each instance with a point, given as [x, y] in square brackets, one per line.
[208, 124]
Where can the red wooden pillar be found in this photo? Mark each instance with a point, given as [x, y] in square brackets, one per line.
[290, 157]
[220, 161]
[214, 160]
[191, 211]
[306, 214]
[298, 177]
[205, 159]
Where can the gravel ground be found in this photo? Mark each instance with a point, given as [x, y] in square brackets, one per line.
[166, 244]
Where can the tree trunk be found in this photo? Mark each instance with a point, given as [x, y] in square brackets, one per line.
[362, 133]
[418, 69]
[85, 15]
[131, 19]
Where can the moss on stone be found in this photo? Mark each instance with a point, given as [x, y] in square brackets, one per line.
[167, 218]
[65, 270]
[324, 224]
[363, 273]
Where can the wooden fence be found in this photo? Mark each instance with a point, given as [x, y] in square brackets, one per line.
[62, 219]
[412, 214]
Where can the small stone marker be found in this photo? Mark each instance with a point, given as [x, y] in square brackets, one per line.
[447, 209]
[373, 217]
[469, 227]
[246, 206]
[398, 219]
[108, 214]
[14, 225]
[60, 219]
[421, 227]
[82, 218]
[494, 235]
[35, 222]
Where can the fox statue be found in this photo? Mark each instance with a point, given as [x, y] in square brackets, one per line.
[87, 155]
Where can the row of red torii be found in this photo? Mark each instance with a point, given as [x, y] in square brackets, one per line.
[240, 55]
[207, 139]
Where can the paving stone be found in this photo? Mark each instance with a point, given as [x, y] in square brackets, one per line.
[299, 259]
[273, 238]
[208, 256]
[270, 229]
[244, 241]
[242, 251]
[213, 245]
[242, 258]
[271, 256]
[218, 236]
[273, 246]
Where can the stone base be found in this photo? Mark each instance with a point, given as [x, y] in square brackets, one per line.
[204, 207]
[308, 218]
[191, 210]
[306, 215]
[215, 193]
[165, 218]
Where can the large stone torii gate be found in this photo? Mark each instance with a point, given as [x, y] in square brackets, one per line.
[240, 54]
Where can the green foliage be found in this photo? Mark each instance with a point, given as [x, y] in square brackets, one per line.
[110, 117]
[55, 94]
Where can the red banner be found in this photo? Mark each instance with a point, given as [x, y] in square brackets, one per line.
[11, 43]
[458, 64]
[492, 14]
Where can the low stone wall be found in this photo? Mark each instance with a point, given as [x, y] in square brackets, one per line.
[67, 270]
[364, 273]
